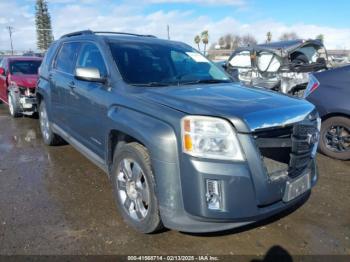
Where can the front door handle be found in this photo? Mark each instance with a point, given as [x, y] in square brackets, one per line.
[71, 84]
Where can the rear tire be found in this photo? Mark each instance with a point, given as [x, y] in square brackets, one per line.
[49, 137]
[14, 107]
[335, 135]
[134, 188]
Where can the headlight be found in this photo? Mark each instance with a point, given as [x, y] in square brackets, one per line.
[319, 121]
[314, 149]
[210, 137]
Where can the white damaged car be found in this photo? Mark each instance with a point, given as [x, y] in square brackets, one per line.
[281, 66]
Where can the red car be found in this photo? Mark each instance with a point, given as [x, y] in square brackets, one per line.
[18, 77]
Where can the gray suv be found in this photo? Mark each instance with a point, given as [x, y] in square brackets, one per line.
[184, 146]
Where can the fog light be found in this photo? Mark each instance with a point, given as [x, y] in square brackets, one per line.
[213, 194]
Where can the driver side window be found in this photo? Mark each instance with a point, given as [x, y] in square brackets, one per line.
[90, 56]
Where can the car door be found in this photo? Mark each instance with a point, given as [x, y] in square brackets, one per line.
[61, 79]
[89, 100]
[3, 86]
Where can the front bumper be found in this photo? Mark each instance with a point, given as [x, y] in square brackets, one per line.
[27, 103]
[248, 194]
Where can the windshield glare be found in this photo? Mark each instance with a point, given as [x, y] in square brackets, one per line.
[145, 64]
[24, 67]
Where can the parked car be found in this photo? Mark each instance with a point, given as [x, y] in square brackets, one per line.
[184, 146]
[18, 77]
[281, 66]
[329, 91]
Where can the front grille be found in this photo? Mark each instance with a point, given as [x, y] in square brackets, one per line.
[286, 151]
[27, 91]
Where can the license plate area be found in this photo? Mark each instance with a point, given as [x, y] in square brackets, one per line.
[297, 187]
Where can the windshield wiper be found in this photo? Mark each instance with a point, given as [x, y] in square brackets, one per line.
[151, 84]
[205, 81]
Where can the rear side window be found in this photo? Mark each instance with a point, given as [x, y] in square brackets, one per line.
[65, 60]
[241, 59]
[90, 56]
[267, 62]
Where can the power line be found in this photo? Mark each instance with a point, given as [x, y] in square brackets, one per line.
[10, 29]
[168, 30]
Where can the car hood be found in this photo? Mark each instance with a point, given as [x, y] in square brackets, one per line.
[281, 48]
[247, 108]
[28, 81]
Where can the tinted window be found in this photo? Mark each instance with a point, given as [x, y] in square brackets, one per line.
[90, 56]
[65, 60]
[26, 67]
[145, 63]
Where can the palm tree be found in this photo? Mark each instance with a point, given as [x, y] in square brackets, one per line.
[289, 36]
[268, 37]
[205, 39]
[197, 40]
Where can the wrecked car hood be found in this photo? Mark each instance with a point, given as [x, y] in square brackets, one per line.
[281, 48]
[28, 81]
[248, 109]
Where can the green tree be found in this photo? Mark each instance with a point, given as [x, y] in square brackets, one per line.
[289, 36]
[248, 40]
[43, 25]
[197, 40]
[205, 39]
[320, 37]
[268, 37]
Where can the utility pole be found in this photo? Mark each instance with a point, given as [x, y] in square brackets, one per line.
[10, 29]
[168, 30]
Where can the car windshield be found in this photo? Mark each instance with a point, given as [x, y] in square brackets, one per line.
[25, 67]
[159, 65]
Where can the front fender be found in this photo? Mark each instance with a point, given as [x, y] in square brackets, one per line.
[14, 92]
[43, 92]
[159, 138]
[43, 89]
[156, 135]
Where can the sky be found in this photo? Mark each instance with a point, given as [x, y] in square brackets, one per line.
[185, 18]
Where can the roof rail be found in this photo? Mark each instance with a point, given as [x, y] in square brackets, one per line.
[84, 32]
[122, 33]
[89, 32]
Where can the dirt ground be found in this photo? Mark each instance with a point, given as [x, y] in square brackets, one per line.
[54, 201]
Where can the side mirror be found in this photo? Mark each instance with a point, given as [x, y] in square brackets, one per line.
[90, 74]
[2, 71]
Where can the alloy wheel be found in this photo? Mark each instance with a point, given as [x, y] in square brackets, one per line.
[337, 138]
[44, 123]
[10, 105]
[133, 189]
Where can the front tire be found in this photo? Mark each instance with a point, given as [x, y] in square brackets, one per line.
[49, 137]
[14, 108]
[335, 138]
[134, 188]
